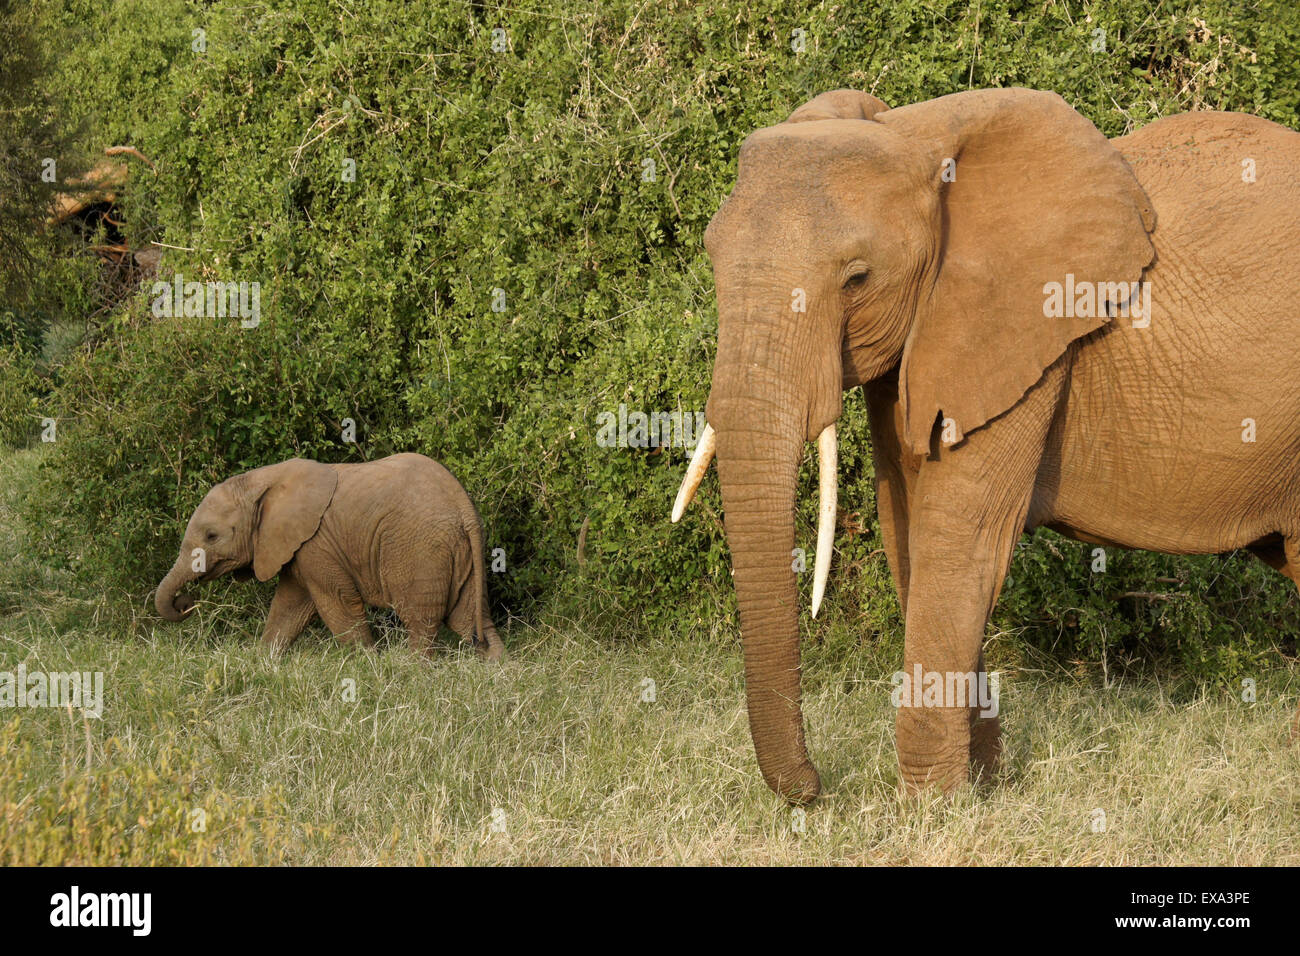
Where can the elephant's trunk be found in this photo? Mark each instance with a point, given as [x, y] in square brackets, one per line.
[172, 605]
[760, 443]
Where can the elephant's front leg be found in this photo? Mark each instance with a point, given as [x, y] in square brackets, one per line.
[291, 610]
[968, 510]
[956, 574]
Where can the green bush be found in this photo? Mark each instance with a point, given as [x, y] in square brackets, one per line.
[39, 279]
[522, 170]
[19, 387]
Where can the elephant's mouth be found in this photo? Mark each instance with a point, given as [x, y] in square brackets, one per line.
[223, 567]
[828, 488]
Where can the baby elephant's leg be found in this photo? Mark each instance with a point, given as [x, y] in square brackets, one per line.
[463, 621]
[423, 626]
[343, 612]
[494, 649]
[291, 610]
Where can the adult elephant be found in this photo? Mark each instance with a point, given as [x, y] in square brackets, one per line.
[1051, 328]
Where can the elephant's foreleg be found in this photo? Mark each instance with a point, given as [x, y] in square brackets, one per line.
[957, 572]
[291, 610]
[968, 509]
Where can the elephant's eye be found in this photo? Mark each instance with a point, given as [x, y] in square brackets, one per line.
[212, 536]
[856, 281]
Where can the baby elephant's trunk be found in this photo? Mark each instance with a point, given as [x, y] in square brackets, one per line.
[170, 604]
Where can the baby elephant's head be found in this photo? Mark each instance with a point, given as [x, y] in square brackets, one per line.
[253, 523]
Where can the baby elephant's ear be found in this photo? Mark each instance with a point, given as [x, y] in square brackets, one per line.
[838, 104]
[290, 500]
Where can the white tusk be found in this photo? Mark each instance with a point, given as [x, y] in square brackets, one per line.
[704, 450]
[828, 462]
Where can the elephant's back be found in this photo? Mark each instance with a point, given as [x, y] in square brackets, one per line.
[1224, 180]
[1212, 142]
[403, 478]
[1225, 188]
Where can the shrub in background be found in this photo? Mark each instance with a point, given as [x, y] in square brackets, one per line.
[390, 173]
[41, 277]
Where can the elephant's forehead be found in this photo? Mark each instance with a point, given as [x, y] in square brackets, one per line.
[811, 148]
[216, 503]
[802, 182]
[754, 220]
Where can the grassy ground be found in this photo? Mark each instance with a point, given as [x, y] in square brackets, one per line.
[555, 757]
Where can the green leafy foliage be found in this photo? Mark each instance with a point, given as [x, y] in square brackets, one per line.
[524, 170]
[40, 281]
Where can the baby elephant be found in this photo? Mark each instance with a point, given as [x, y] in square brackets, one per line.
[399, 533]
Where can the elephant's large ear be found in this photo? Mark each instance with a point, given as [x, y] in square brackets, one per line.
[838, 104]
[289, 500]
[1030, 192]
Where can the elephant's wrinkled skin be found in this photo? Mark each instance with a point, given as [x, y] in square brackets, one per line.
[923, 241]
[398, 533]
